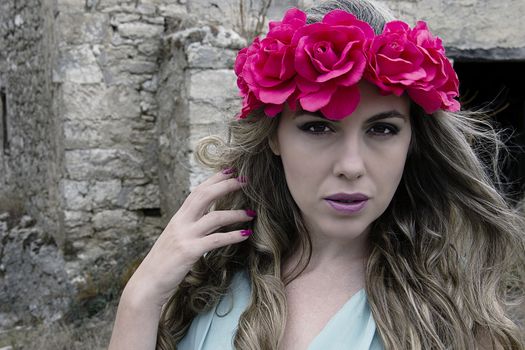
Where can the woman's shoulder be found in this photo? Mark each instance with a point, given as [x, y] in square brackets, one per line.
[215, 328]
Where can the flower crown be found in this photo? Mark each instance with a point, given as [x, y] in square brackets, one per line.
[318, 65]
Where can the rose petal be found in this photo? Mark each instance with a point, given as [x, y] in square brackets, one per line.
[342, 103]
[316, 100]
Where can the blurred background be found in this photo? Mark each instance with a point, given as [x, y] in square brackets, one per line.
[101, 103]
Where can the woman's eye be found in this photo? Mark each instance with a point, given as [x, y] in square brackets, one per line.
[315, 128]
[384, 130]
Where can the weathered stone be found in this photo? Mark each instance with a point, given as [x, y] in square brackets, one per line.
[146, 9]
[119, 219]
[71, 6]
[107, 133]
[83, 28]
[212, 84]
[102, 164]
[140, 197]
[77, 64]
[75, 194]
[74, 219]
[118, 18]
[97, 102]
[151, 85]
[201, 112]
[137, 30]
[173, 10]
[138, 67]
[117, 40]
[26, 221]
[154, 20]
[113, 5]
[105, 194]
[149, 48]
[223, 37]
[32, 266]
[205, 56]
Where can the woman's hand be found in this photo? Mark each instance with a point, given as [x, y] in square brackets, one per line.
[190, 233]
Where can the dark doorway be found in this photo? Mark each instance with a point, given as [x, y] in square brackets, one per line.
[498, 85]
[3, 121]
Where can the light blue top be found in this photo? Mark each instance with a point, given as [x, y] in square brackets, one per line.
[352, 327]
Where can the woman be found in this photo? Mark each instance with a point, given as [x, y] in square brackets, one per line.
[353, 211]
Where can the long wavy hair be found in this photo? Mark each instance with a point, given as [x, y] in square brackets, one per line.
[444, 254]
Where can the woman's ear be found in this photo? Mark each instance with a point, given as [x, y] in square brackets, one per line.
[274, 145]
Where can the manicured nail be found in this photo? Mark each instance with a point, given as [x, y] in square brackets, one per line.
[242, 179]
[228, 171]
[246, 232]
[250, 213]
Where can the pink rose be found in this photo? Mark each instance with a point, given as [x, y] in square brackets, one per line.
[249, 102]
[440, 85]
[266, 69]
[394, 61]
[329, 60]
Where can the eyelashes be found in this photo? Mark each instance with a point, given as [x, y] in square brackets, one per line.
[322, 128]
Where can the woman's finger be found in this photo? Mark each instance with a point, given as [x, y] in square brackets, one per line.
[214, 220]
[219, 176]
[221, 239]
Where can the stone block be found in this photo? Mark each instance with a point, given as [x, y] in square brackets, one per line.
[224, 37]
[154, 20]
[103, 164]
[82, 28]
[151, 85]
[105, 194]
[140, 197]
[217, 84]
[113, 5]
[202, 112]
[206, 56]
[118, 18]
[117, 219]
[107, 133]
[77, 64]
[146, 9]
[75, 195]
[138, 66]
[71, 6]
[74, 218]
[149, 48]
[98, 102]
[173, 10]
[138, 30]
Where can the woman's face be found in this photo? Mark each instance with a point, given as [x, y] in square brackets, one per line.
[363, 153]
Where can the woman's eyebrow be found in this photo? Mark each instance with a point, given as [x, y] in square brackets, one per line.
[383, 115]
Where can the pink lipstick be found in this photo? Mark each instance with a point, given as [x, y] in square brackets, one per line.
[347, 203]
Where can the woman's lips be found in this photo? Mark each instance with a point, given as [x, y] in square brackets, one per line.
[347, 208]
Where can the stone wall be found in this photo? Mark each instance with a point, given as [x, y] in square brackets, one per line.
[106, 79]
[28, 156]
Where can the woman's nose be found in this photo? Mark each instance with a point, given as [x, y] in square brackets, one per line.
[349, 159]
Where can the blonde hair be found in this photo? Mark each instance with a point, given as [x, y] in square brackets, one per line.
[442, 253]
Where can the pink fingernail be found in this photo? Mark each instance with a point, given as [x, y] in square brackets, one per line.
[242, 179]
[228, 171]
[246, 232]
[251, 213]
